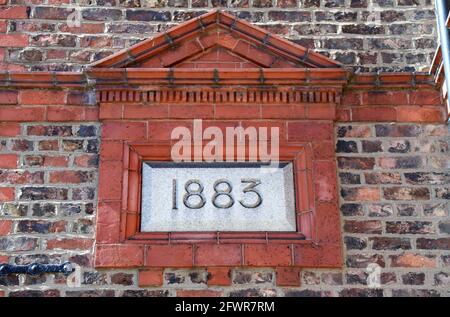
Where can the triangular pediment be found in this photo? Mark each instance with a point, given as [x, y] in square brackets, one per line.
[216, 40]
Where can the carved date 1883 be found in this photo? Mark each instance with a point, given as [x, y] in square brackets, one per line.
[193, 198]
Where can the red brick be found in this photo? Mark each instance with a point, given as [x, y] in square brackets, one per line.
[328, 218]
[5, 227]
[169, 256]
[425, 97]
[374, 114]
[323, 150]
[420, 114]
[119, 256]
[42, 97]
[108, 222]
[288, 276]
[66, 113]
[4, 259]
[145, 111]
[111, 111]
[111, 150]
[385, 98]
[321, 112]
[8, 160]
[267, 255]
[70, 177]
[86, 160]
[8, 97]
[325, 180]
[310, 131]
[218, 255]
[219, 276]
[84, 28]
[22, 114]
[15, 12]
[9, 129]
[320, 256]
[237, 111]
[7, 193]
[283, 112]
[56, 161]
[198, 293]
[124, 130]
[162, 130]
[182, 111]
[150, 277]
[3, 26]
[351, 98]
[70, 244]
[110, 180]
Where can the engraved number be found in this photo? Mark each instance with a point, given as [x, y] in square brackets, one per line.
[222, 192]
[253, 182]
[193, 192]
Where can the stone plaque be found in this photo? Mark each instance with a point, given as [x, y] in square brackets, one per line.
[217, 197]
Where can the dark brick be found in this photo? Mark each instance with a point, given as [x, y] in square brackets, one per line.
[49, 130]
[414, 293]
[387, 243]
[385, 130]
[94, 278]
[363, 226]
[122, 279]
[419, 178]
[357, 278]
[40, 226]
[443, 193]
[354, 243]
[148, 15]
[363, 260]
[413, 278]
[433, 244]
[303, 293]
[145, 293]
[18, 244]
[198, 277]
[349, 178]
[442, 279]
[346, 147]
[383, 178]
[363, 29]
[409, 227]
[404, 193]
[343, 44]
[399, 146]
[43, 193]
[101, 14]
[174, 278]
[444, 227]
[43, 210]
[359, 163]
[350, 210]
[290, 16]
[22, 145]
[90, 293]
[52, 13]
[371, 146]
[358, 292]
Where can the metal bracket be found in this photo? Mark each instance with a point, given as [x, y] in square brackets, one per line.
[169, 40]
[262, 79]
[36, 268]
[233, 25]
[304, 57]
[216, 78]
[266, 38]
[170, 76]
[377, 79]
[200, 23]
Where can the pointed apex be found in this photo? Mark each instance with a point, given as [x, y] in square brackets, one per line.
[216, 39]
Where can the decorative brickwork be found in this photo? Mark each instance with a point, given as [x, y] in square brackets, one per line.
[368, 34]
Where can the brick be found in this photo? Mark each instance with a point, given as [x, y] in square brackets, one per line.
[8, 97]
[9, 160]
[150, 277]
[363, 226]
[169, 256]
[5, 227]
[41, 97]
[388, 243]
[217, 255]
[7, 194]
[406, 193]
[354, 131]
[219, 276]
[113, 255]
[431, 244]
[71, 177]
[358, 163]
[383, 178]
[9, 129]
[411, 260]
[22, 114]
[70, 244]
[360, 194]
[374, 114]
[267, 255]
[14, 12]
[287, 276]
[124, 131]
[397, 130]
[309, 131]
[420, 114]
[198, 293]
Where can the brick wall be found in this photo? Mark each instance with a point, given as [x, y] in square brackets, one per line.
[394, 208]
[371, 34]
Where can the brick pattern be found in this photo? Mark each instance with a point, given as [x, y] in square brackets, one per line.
[379, 34]
[394, 207]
